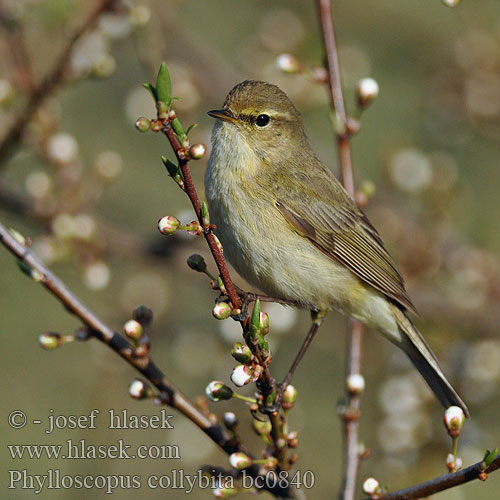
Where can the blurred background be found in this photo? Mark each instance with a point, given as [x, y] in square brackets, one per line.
[89, 189]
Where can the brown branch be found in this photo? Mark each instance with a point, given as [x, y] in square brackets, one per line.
[49, 83]
[195, 201]
[268, 381]
[115, 341]
[23, 78]
[351, 412]
[336, 94]
[169, 393]
[444, 482]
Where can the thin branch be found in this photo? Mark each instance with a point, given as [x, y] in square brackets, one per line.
[169, 393]
[351, 413]
[195, 200]
[268, 383]
[444, 482]
[336, 94]
[49, 83]
[116, 342]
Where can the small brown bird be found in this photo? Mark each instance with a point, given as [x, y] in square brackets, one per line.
[289, 227]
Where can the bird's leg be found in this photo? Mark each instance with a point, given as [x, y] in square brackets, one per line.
[252, 297]
[249, 297]
[317, 317]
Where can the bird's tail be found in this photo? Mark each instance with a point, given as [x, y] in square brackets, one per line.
[420, 354]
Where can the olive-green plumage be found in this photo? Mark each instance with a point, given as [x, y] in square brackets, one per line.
[288, 226]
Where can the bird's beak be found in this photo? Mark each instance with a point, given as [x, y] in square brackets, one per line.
[222, 114]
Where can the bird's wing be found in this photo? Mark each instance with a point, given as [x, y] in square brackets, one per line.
[342, 231]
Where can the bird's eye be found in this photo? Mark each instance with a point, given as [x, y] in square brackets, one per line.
[262, 120]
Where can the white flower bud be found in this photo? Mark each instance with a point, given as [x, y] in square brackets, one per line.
[241, 375]
[355, 383]
[239, 460]
[371, 486]
[139, 389]
[133, 329]
[217, 391]
[230, 420]
[221, 310]
[197, 151]
[450, 3]
[454, 418]
[289, 397]
[224, 492]
[367, 90]
[50, 340]
[168, 224]
[288, 63]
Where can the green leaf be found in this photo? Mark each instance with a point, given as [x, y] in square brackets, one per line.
[191, 127]
[490, 456]
[163, 85]
[255, 322]
[204, 214]
[179, 129]
[172, 168]
[151, 89]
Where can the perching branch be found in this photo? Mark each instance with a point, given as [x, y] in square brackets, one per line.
[351, 413]
[49, 84]
[444, 482]
[195, 200]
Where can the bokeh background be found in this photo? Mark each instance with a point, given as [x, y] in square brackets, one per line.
[88, 188]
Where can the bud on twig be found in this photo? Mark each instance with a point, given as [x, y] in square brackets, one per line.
[168, 224]
[218, 243]
[221, 310]
[255, 324]
[242, 353]
[162, 110]
[262, 428]
[367, 91]
[140, 389]
[197, 263]
[155, 125]
[240, 460]
[289, 397]
[143, 314]
[264, 323]
[197, 151]
[52, 340]
[241, 375]
[205, 217]
[230, 420]
[223, 492]
[355, 383]
[142, 124]
[288, 63]
[218, 391]
[133, 329]
[454, 418]
[371, 486]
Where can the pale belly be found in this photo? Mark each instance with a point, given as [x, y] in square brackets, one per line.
[270, 255]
